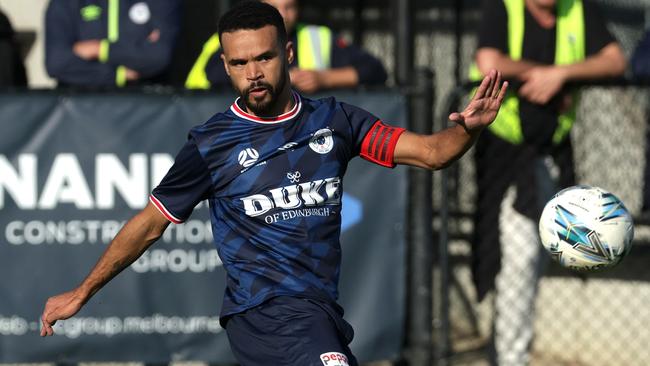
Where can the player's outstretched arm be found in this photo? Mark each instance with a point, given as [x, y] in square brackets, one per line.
[442, 148]
[134, 238]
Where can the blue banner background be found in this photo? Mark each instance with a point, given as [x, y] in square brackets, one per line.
[155, 312]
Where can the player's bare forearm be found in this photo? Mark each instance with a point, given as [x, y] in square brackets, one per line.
[435, 151]
[134, 238]
[127, 246]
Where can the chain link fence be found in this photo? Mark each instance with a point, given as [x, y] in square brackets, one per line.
[580, 319]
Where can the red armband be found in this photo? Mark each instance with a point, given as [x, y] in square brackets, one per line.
[379, 143]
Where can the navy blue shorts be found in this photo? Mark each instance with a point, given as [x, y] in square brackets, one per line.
[291, 331]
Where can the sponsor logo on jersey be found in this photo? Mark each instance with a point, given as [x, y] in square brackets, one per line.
[315, 193]
[294, 177]
[322, 141]
[334, 359]
[140, 13]
[288, 146]
[248, 157]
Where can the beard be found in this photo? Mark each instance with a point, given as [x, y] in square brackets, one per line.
[267, 105]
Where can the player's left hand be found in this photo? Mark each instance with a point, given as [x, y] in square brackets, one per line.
[484, 106]
[542, 83]
[60, 307]
[306, 81]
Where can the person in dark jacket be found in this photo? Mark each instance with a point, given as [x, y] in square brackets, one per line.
[12, 72]
[96, 43]
[324, 60]
[640, 65]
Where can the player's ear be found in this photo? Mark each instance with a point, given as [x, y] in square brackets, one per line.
[225, 64]
[289, 52]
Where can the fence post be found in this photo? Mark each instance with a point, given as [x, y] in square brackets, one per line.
[404, 41]
[441, 317]
[418, 347]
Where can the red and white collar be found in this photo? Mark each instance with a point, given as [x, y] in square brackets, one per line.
[297, 105]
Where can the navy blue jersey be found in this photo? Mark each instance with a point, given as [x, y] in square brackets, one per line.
[274, 186]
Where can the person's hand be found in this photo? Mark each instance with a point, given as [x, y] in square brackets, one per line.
[87, 50]
[131, 74]
[542, 83]
[60, 307]
[307, 81]
[154, 36]
[484, 106]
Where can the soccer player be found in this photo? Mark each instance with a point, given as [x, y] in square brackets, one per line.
[271, 167]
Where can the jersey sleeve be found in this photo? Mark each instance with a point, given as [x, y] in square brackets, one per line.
[373, 140]
[186, 184]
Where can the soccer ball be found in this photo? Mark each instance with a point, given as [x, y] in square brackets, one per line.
[586, 228]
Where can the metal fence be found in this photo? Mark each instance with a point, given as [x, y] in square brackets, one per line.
[595, 319]
[580, 319]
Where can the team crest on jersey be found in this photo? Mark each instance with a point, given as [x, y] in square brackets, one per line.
[334, 359]
[248, 157]
[322, 141]
[294, 177]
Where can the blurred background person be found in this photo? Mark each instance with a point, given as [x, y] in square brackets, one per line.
[526, 154]
[324, 60]
[110, 43]
[12, 70]
[640, 65]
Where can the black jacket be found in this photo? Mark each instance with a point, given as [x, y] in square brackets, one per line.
[69, 21]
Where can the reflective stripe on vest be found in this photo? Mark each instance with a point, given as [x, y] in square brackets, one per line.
[569, 49]
[197, 78]
[314, 47]
[113, 35]
[314, 53]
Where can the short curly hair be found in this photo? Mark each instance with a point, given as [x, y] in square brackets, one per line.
[252, 15]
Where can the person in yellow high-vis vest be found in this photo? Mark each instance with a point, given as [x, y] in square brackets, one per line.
[525, 155]
[323, 60]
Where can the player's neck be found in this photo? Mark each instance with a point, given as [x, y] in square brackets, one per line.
[285, 101]
[544, 15]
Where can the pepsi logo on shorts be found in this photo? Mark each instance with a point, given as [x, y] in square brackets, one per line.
[334, 359]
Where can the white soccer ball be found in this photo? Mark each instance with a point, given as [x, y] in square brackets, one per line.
[586, 228]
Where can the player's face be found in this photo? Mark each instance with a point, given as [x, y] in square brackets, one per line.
[258, 67]
[289, 11]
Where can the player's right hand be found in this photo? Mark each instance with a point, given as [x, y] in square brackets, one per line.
[60, 307]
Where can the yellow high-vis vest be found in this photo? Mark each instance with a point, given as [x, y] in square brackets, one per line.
[569, 49]
[314, 53]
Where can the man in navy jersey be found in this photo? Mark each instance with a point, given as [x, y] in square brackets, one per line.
[271, 167]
